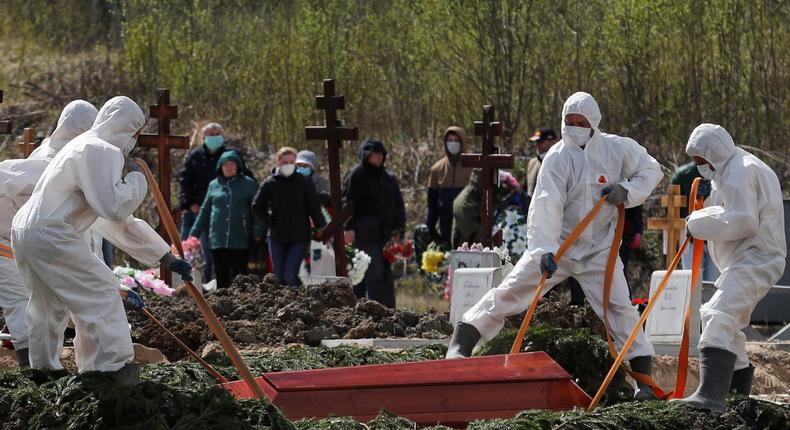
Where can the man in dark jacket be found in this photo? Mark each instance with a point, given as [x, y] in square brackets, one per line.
[379, 216]
[286, 203]
[447, 180]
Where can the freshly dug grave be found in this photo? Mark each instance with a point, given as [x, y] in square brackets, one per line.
[183, 396]
[260, 312]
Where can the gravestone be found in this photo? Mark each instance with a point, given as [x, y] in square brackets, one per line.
[665, 324]
[469, 286]
[473, 260]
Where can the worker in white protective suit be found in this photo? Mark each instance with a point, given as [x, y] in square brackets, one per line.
[576, 172]
[83, 188]
[743, 222]
[17, 180]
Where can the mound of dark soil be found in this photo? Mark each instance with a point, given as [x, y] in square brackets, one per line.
[260, 312]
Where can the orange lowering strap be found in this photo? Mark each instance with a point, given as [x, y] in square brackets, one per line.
[6, 251]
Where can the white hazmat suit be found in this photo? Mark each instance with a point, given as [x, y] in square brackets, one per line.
[743, 222]
[569, 184]
[17, 180]
[82, 188]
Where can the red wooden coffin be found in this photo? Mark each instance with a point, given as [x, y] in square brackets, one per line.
[450, 392]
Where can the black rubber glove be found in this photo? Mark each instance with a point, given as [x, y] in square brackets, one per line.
[177, 265]
[547, 265]
[615, 194]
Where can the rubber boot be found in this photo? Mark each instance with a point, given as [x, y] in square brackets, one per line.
[465, 337]
[23, 358]
[644, 365]
[742, 381]
[129, 374]
[715, 375]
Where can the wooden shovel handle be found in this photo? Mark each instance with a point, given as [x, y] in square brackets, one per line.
[208, 314]
[522, 331]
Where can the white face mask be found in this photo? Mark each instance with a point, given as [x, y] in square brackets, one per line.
[287, 169]
[129, 147]
[576, 135]
[706, 171]
[453, 147]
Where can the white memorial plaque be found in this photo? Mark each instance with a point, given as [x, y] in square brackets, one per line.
[469, 286]
[473, 260]
[665, 323]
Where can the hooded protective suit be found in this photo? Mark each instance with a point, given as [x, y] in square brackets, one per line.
[569, 184]
[17, 180]
[82, 188]
[742, 221]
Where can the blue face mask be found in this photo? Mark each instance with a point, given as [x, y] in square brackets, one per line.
[304, 170]
[213, 143]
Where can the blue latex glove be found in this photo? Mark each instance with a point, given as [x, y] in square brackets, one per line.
[131, 166]
[131, 300]
[704, 189]
[615, 194]
[177, 265]
[547, 265]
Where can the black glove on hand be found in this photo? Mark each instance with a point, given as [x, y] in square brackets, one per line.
[177, 265]
[615, 194]
[547, 265]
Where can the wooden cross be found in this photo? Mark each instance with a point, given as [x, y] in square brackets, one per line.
[28, 143]
[163, 141]
[5, 126]
[490, 162]
[334, 137]
[673, 225]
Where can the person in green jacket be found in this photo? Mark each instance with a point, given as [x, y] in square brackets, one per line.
[226, 213]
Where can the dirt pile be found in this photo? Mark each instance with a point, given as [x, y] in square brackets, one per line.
[259, 312]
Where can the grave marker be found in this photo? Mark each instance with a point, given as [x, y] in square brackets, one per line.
[665, 324]
[28, 143]
[334, 135]
[489, 161]
[673, 225]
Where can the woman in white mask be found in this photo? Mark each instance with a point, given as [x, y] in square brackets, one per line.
[286, 203]
[448, 178]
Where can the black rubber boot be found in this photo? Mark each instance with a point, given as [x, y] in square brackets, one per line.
[465, 337]
[23, 358]
[715, 375]
[742, 381]
[128, 374]
[643, 364]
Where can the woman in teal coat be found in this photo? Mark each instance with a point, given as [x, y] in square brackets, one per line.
[226, 212]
